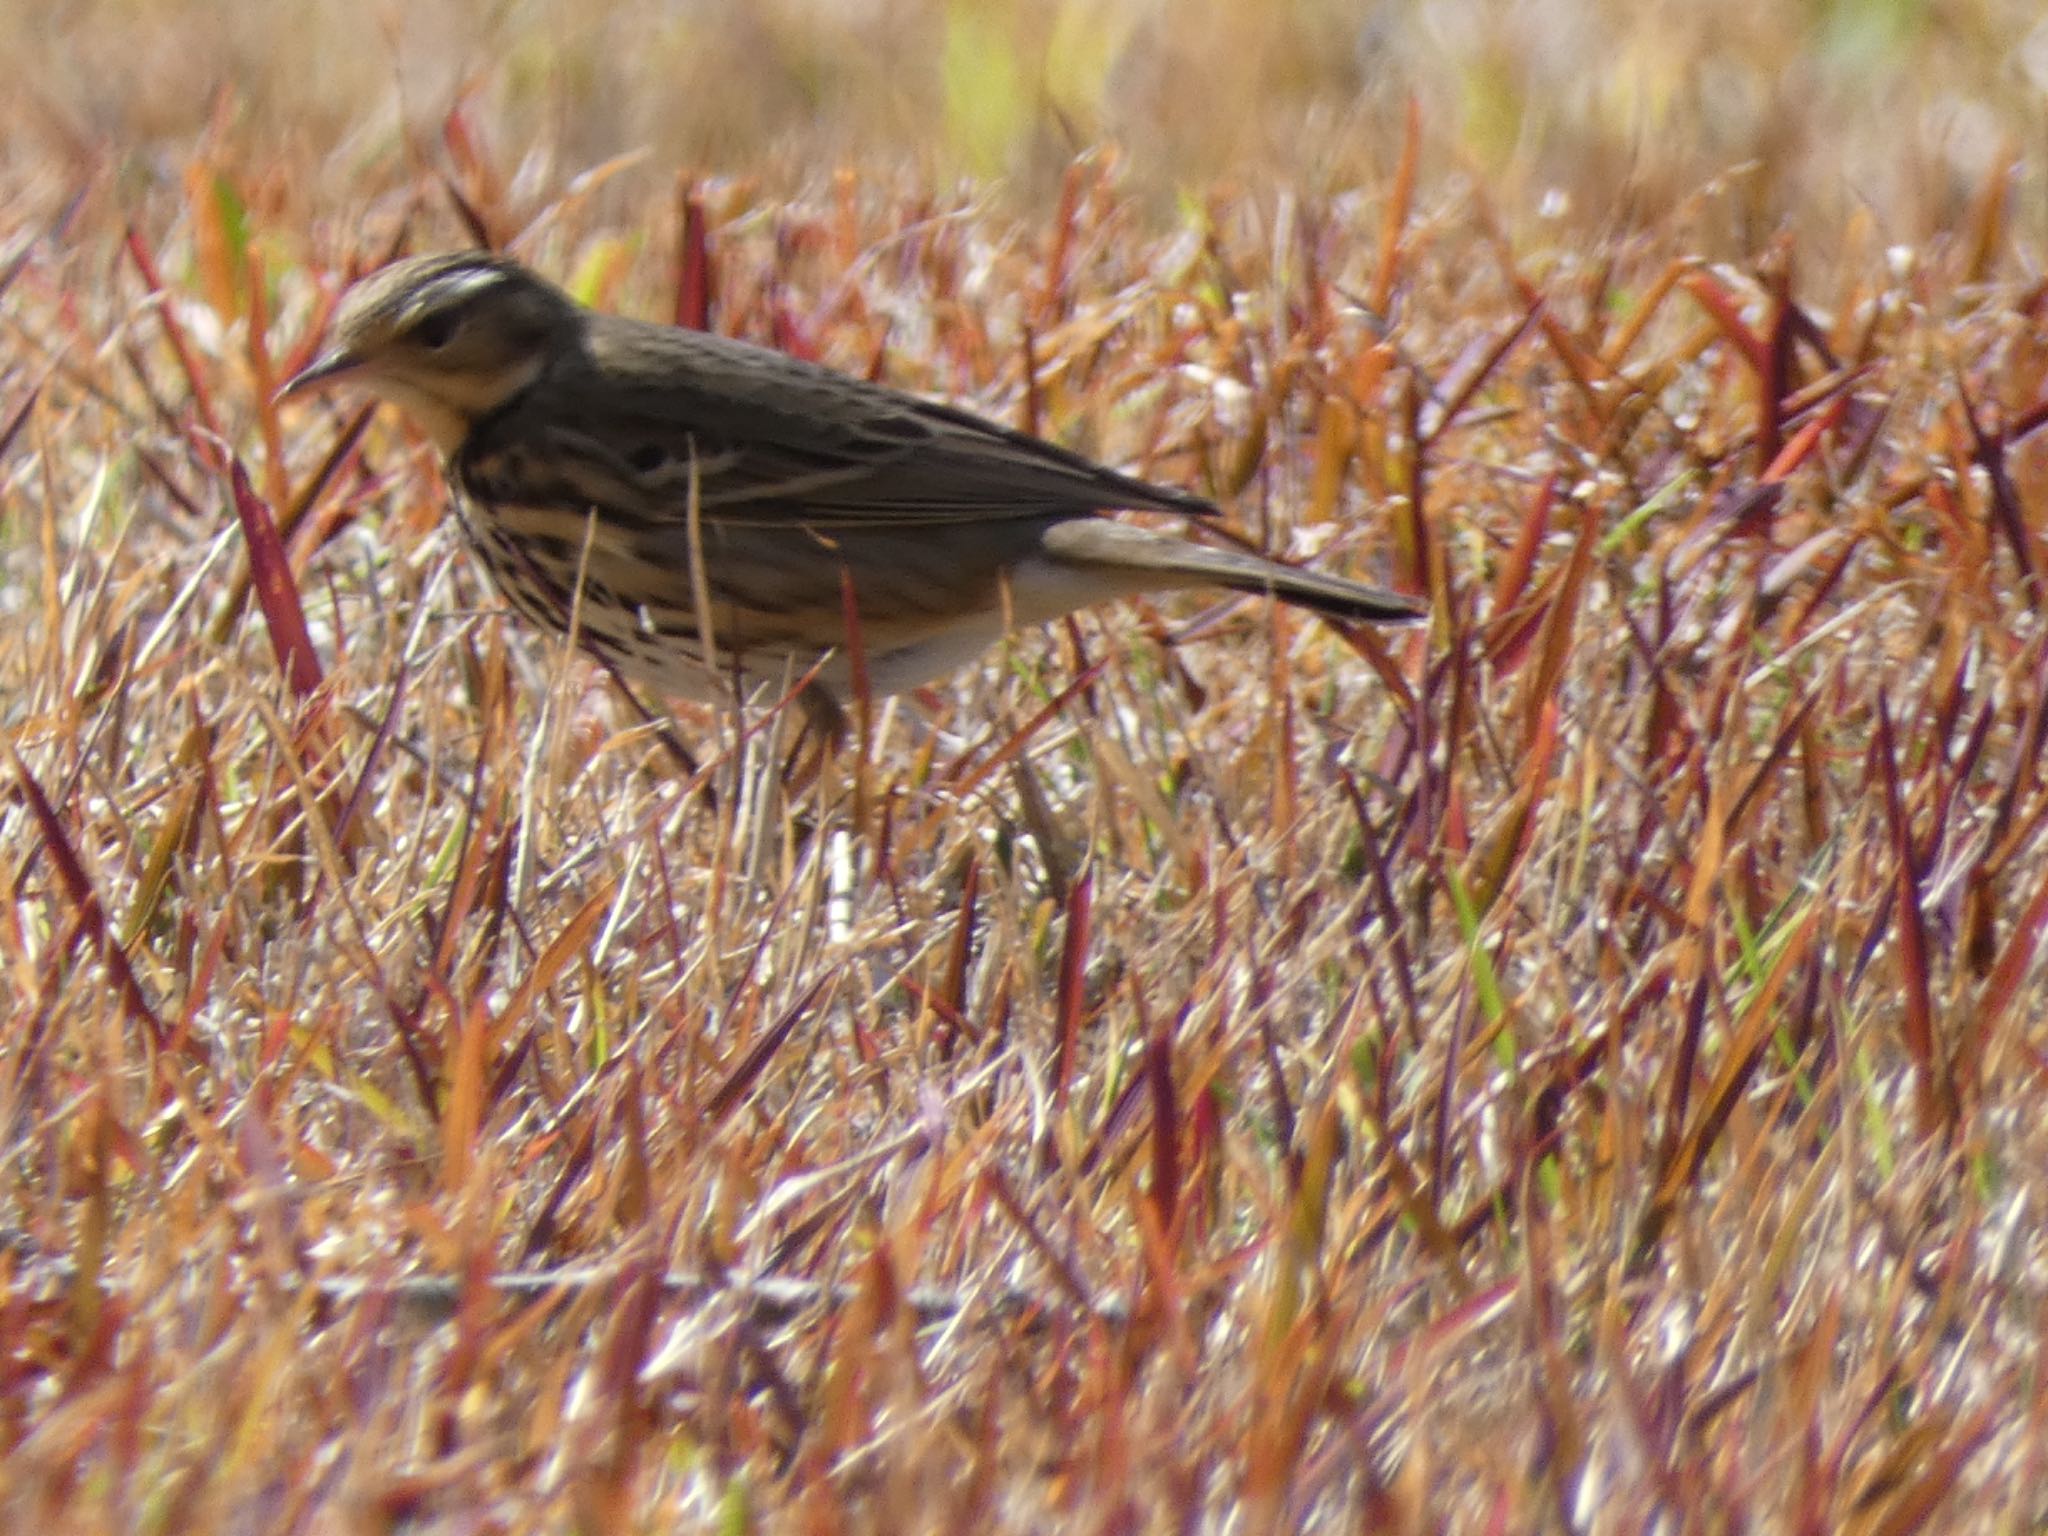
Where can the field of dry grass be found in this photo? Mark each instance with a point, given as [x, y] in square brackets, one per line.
[1580, 1064]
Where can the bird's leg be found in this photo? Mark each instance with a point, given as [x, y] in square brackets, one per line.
[825, 730]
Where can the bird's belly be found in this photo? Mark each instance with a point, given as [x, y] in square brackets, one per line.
[777, 603]
[926, 602]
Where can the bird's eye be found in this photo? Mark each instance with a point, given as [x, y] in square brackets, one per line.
[435, 331]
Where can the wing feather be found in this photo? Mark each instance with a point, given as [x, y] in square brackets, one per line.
[771, 440]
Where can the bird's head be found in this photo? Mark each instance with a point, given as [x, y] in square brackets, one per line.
[446, 338]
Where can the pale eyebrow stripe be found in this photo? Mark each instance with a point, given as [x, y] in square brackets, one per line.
[454, 286]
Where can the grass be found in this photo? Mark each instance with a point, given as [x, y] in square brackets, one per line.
[1575, 1065]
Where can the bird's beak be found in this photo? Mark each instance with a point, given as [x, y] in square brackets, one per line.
[330, 365]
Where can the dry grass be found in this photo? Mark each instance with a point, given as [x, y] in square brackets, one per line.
[1579, 1066]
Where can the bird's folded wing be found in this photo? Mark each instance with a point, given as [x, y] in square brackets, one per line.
[770, 439]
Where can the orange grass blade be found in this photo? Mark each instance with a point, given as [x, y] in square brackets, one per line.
[1740, 1056]
[1400, 200]
[1930, 1076]
[1726, 311]
[1560, 623]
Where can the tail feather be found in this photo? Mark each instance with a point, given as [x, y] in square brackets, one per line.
[1158, 561]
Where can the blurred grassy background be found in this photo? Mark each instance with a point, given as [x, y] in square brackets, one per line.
[1602, 112]
[1580, 1070]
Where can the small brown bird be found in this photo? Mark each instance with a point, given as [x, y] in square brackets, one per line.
[580, 443]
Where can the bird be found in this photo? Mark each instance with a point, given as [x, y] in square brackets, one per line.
[645, 482]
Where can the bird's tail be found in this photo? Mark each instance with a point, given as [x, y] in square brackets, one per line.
[1156, 560]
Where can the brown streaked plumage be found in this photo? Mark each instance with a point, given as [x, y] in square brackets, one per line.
[578, 440]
